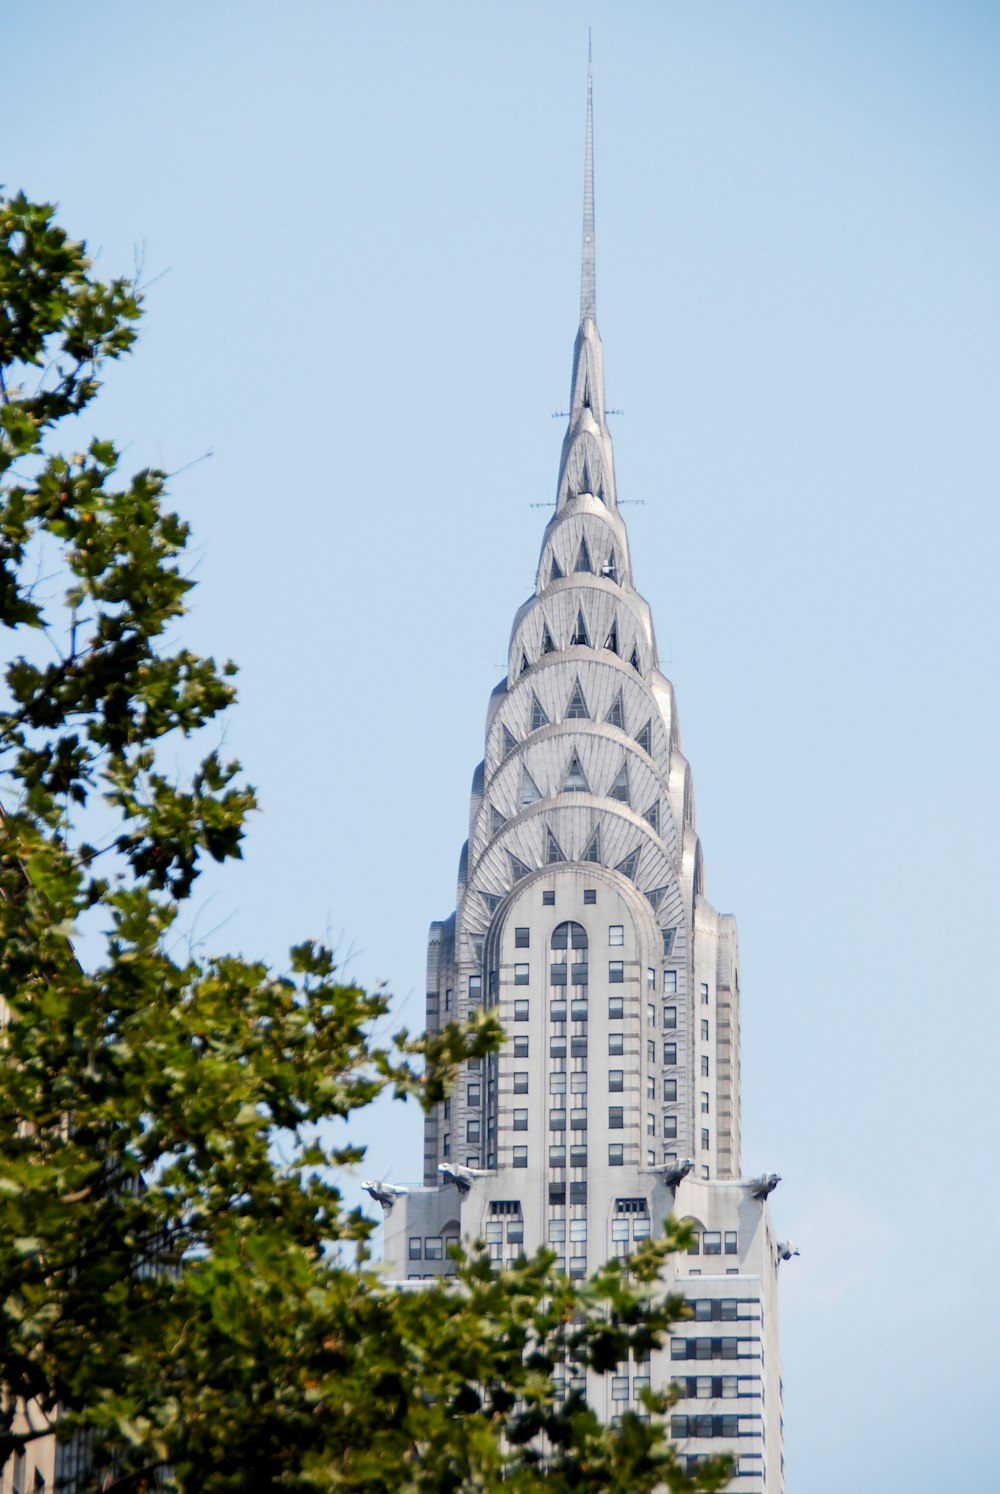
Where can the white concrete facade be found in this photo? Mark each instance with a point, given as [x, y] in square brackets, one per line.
[582, 919]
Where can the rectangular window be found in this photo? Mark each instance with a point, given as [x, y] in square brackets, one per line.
[650, 1051]
[651, 1014]
[705, 1142]
[650, 979]
[557, 1120]
[449, 997]
[521, 975]
[446, 1144]
[616, 1079]
[472, 1130]
[557, 1083]
[616, 1044]
[712, 1242]
[520, 1011]
[557, 974]
[590, 895]
[704, 993]
[704, 1029]
[578, 1047]
[578, 1193]
[669, 1127]
[578, 1082]
[520, 1156]
[578, 1156]
[522, 938]
[557, 1011]
[520, 1047]
[704, 1102]
[548, 899]
[650, 1087]
[706, 1173]
[619, 1387]
[616, 1118]
[616, 1155]
[415, 1243]
[433, 1248]
[670, 1017]
[704, 1065]
[520, 1120]
[578, 1120]
[616, 1008]
[557, 1047]
[616, 935]
[521, 1083]
[616, 972]
[447, 1110]
[650, 1125]
[557, 1193]
[557, 1156]
[475, 988]
[669, 982]
[670, 1053]
[678, 1348]
[474, 1095]
[731, 1247]
[670, 1091]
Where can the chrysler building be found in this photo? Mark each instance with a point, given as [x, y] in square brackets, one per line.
[582, 920]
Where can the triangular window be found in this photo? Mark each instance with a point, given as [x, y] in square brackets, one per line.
[508, 742]
[634, 661]
[585, 484]
[668, 940]
[611, 641]
[556, 572]
[497, 820]
[628, 865]
[477, 950]
[577, 705]
[586, 390]
[518, 868]
[652, 815]
[619, 789]
[538, 716]
[524, 662]
[616, 715]
[529, 789]
[656, 897]
[593, 851]
[548, 647]
[583, 557]
[491, 900]
[600, 491]
[552, 852]
[643, 737]
[580, 635]
[610, 569]
[575, 782]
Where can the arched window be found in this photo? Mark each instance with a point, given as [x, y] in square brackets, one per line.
[568, 967]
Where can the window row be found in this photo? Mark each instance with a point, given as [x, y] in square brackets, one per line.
[722, 1309]
[714, 1348]
[717, 1387]
[714, 1242]
[715, 1426]
[430, 1247]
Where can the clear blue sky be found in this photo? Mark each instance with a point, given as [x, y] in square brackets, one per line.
[365, 220]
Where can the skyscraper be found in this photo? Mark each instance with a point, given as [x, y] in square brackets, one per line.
[582, 920]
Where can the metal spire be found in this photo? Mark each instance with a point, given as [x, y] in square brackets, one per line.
[588, 273]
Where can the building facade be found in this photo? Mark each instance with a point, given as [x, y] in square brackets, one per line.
[582, 920]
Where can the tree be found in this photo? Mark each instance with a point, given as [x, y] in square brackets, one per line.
[183, 1285]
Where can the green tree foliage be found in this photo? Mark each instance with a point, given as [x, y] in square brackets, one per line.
[181, 1279]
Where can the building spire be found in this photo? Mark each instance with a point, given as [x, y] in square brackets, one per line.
[588, 274]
